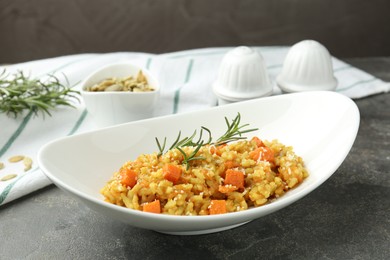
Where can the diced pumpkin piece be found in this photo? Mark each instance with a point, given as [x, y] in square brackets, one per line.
[262, 153]
[172, 173]
[217, 207]
[152, 207]
[235, 178]
[258, 141]
[128, 177]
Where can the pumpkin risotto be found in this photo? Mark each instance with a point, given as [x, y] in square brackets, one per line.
[225, 178]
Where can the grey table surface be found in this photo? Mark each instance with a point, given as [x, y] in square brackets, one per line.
[347, 217]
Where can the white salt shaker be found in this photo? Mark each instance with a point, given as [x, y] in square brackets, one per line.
[307, 67]
[242, 75]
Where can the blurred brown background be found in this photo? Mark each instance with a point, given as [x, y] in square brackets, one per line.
[35, 29]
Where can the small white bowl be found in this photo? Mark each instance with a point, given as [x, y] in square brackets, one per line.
[307, 67]
[242, 75]
[116, 107]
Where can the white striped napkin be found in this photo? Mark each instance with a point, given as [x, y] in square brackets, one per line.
[185, 77]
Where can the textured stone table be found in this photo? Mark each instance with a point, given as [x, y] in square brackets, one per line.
[348, 217]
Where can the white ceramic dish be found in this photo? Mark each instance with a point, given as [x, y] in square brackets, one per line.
[321, 126]
[116, 107]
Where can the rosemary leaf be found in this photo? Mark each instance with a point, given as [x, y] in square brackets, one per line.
[161, 148]
[191, 157]
[174, 143]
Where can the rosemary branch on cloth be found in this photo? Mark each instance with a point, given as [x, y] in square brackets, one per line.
[19, 93]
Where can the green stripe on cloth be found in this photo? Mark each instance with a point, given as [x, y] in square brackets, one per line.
[79, 122]
[356, 84]
[7, 189]
[176, 99]
[148, 63]
[343, 68]
[16, 134]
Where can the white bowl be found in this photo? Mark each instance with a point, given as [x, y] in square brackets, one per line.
[242, 75]
[321, 126]
[307, 67]
[115, 107]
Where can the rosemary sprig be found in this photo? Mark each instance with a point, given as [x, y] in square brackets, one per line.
[19, 93]
[186, 141]
[234, 132]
